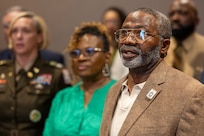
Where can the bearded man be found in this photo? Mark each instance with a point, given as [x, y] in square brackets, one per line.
[186, 51]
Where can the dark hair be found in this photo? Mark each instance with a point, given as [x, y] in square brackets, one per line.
[93, 28]
[119, 11]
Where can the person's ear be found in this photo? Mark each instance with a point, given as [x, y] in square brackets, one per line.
[164, 47]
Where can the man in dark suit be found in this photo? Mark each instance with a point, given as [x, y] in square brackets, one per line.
[154, 99]
[8, 54]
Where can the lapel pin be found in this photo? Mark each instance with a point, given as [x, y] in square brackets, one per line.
[151, 94]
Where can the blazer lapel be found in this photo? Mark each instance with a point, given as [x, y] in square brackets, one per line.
[111, 103]
[30, 74]
[22, 82]
[143, 100]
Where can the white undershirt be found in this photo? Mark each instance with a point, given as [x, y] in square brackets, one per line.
[124, 105]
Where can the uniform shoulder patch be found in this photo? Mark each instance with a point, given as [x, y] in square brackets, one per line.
[55, 64]
[4, 62]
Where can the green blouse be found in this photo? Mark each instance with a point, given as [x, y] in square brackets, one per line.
[69, 117]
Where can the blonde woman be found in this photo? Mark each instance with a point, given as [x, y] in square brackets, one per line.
[27, 83]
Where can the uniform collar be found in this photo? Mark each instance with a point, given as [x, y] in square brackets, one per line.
[27, 67]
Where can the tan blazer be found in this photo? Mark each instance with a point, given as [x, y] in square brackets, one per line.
[193, 56]
[177, 109]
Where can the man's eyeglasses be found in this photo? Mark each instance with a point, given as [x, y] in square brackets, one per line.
[139, 35]
[87, 52]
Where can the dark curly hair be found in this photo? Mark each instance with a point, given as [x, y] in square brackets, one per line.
[93, 28]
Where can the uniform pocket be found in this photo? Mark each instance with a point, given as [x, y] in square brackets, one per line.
[38, 89]
[3, 88]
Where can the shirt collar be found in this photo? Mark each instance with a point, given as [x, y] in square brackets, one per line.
[27, 67]
[188, 43]
[125, 86]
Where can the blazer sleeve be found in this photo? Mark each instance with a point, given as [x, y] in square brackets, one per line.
[192, 119]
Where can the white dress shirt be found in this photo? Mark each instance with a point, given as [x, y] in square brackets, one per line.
[124, 105]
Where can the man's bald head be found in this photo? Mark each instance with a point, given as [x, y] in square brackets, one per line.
[183, 15]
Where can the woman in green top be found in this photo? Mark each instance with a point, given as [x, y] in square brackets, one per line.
[77, 110]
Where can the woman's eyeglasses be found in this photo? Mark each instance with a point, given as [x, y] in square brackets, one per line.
[139, 35]
[87, 52]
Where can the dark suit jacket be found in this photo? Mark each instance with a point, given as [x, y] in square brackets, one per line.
[46, 54]
[177, 109]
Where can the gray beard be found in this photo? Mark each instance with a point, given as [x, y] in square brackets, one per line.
[144, 58]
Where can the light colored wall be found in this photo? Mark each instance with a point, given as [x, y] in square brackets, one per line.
[62, 16]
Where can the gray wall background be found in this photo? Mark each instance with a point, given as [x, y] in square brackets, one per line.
[62, 16]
